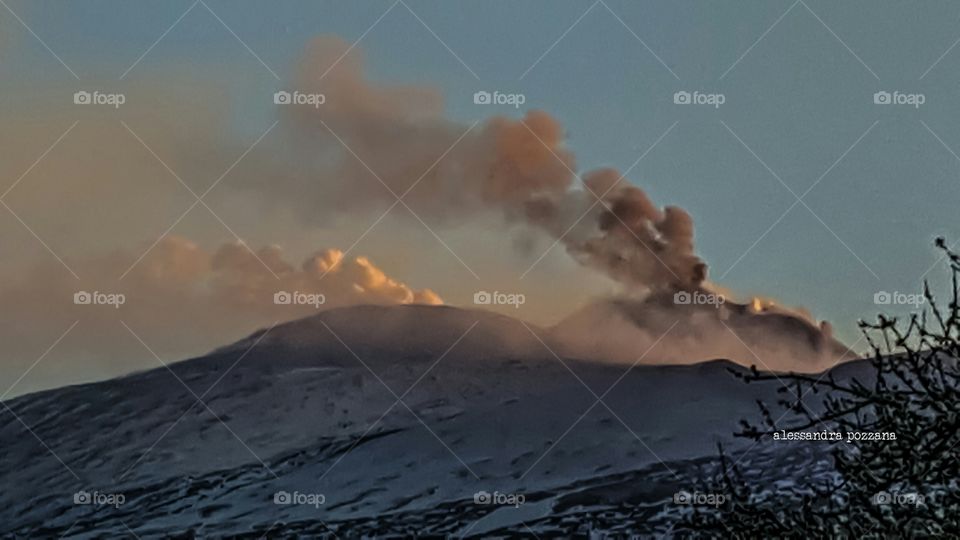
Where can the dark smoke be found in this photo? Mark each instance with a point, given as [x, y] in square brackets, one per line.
[371, 142]
[521, 168]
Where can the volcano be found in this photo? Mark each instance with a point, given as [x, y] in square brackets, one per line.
[376, 421]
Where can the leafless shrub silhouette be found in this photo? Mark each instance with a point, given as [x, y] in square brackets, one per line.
[905, 487]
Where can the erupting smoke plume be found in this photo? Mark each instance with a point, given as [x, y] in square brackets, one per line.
[379, 142]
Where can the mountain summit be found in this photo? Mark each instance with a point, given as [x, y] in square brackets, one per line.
[399, 418]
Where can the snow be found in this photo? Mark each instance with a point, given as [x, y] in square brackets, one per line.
[300, 413]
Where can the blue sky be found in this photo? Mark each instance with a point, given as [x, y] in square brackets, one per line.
[798, 80]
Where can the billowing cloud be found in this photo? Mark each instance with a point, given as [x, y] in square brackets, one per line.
[370, 143]
[179, 299]
[376, 142]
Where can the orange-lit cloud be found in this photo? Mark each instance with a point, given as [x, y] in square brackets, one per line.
[179, 299]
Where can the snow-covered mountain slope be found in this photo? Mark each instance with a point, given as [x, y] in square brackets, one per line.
[396, 416]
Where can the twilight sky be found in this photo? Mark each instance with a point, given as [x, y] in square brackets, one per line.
[877, 181]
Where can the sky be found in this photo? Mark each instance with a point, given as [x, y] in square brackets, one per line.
[800, 186]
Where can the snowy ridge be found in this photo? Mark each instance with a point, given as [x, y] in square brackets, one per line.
[298, 412]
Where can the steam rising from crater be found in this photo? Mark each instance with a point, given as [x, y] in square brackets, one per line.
[375, 142]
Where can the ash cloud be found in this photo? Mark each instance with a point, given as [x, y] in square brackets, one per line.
[370, 142]
[522, 169]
